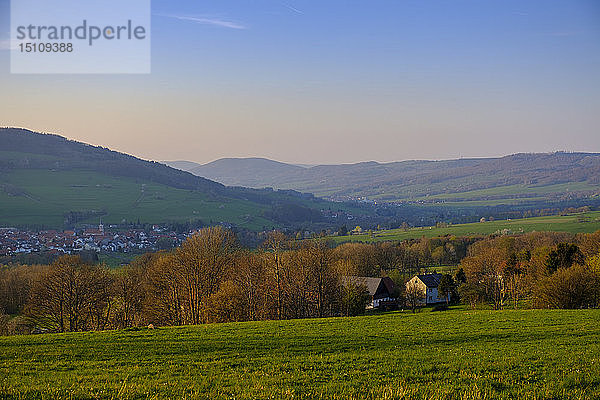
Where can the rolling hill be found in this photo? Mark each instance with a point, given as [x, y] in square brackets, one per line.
[47, 180]
[514, 179]
[248, 172]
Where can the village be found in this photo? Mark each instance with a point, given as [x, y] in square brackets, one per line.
[14, 241]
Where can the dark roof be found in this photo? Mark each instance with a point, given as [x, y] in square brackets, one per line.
[389, 284]
[370, 283]
[377, 287]
[430, 280]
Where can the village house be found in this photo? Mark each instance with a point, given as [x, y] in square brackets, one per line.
[428, 284]
[14, 241]
[382, 291]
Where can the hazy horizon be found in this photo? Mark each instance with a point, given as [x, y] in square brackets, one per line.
[162, 160]
[335, 82]
[368, 161]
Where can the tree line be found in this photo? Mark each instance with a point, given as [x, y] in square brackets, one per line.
[211, 278]
[543, 270]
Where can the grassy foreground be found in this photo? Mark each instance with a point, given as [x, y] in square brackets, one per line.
[457, 354]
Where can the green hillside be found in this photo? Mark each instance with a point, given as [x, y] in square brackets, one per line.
[47, 180]
[573, 223]
[459, 354]
[46, 196]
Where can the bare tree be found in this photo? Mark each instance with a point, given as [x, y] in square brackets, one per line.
[187, 277]
[70, 296]
[250, 277]
[275, 245]
[414, 295]
[512, 274]
[164, 301]
[354, 299]
[485, 269]
[15, 286]
[130, 294]
[324, 282]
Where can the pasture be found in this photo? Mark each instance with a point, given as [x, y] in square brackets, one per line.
[574, 223]
[458, 354]
[43, 197]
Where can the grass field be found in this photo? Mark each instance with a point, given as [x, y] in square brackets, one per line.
[511, 194]
[459, 354]
[43, 197]
[574, 223]
[49, 195]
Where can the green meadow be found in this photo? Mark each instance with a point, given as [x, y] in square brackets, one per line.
[44, 196]
[510, 194]
[573, 223]
[458, 354]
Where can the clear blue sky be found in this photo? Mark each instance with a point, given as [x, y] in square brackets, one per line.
[335, 81]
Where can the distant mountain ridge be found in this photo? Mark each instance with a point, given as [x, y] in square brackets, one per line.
[408, 179]
[248, 172]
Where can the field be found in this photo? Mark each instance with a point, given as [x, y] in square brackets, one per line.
[573, 223]
[459, 354]
[46, 196]
[510, 194]
[34, 197]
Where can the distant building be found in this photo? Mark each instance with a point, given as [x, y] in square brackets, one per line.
[381, 290]
[428, 284]
[357, 231]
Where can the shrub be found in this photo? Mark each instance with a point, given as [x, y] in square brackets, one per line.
[471, 294]
[354, 299]
[574, 287]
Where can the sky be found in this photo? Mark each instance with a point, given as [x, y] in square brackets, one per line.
[331, 81]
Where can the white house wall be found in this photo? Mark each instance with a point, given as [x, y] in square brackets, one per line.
[430, 294]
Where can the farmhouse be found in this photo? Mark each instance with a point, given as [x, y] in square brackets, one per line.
[381, 290]
[428, 284]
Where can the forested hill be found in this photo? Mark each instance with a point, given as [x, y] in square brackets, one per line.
[65, 154]
[518, 175]
[50, 181]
